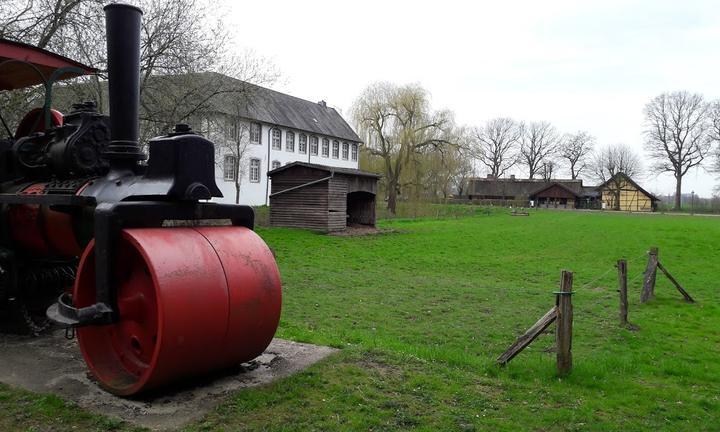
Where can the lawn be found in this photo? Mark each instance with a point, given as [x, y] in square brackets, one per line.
[422, 312]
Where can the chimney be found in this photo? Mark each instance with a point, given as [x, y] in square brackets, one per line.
[323, 104]
[512, 176]
[490, 177]
[122, 26]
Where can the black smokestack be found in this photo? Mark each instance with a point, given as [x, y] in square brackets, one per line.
[122, 26]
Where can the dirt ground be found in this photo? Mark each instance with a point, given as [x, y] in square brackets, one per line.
[53, 364]
[361, 230]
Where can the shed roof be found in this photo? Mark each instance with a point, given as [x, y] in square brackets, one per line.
[551, 184]
[326, 168]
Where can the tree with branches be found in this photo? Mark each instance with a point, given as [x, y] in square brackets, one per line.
[676, 126]
[574, 150]
[182, 41]
[538, 141]
[495, 145]
[546, 170]
[398, 125]
[609, 163]
[714, 134]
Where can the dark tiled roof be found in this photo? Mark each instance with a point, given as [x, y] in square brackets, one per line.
[233, 97]
[329, 169]
[521, 188]
[273, 107]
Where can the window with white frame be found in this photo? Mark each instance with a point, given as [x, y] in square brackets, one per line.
[336, 149]
[302, 144]
[354, 153]
[275, 164]
[345, 150]
[229, 168]
[290, 141]
[255, 133]
[325, 148]
[276, 140]
[314, 145]
[255, 170]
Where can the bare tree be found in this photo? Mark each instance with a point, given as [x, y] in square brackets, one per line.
[448, 171]
[676, 134]
[611, 161]
[399, 124]
[575, 149]
[538, 142]
[181, 41]
[714, 134]
[232, 138]
[496, 145]
[546, 170]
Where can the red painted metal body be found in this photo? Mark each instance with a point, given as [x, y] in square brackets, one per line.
[191, 300]
[41, 231]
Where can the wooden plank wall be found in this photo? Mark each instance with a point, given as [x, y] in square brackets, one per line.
[337, 203]
[306, 207]
[321, 206]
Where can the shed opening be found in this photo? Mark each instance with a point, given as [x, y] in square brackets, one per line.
[361, 208]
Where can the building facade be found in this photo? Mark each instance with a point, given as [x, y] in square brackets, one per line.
[618, 193]
[266, 147]
[270, 130]
[623, 194]
[553, 193]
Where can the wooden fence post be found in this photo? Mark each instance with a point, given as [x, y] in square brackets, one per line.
[622, 285]
[648, 291]
[676, 283]
[563, 332]
[526, 339]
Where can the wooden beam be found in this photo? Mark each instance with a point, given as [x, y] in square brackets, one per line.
[530, 335]
[622, 288]
[676, 283]
[648, 291]
[563, 332]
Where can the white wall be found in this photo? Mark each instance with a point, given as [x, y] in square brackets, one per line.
[255, 193]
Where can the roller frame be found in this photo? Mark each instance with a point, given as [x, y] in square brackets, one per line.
[110, 220]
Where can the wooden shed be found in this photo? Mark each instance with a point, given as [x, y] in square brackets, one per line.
[320, 197]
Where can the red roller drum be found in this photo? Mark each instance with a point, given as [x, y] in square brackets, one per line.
[190, 301]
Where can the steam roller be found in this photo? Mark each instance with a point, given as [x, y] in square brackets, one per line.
[158, 282]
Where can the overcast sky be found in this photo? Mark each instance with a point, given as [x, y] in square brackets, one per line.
[580, 65]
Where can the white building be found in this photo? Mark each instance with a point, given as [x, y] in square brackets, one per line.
[271, 129]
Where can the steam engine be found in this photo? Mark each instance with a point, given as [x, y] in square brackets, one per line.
[91, 233]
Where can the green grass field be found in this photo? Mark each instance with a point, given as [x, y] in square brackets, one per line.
[421, 313]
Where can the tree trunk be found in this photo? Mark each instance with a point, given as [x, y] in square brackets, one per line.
[237, 192]
[392, 197]
[678, 193]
